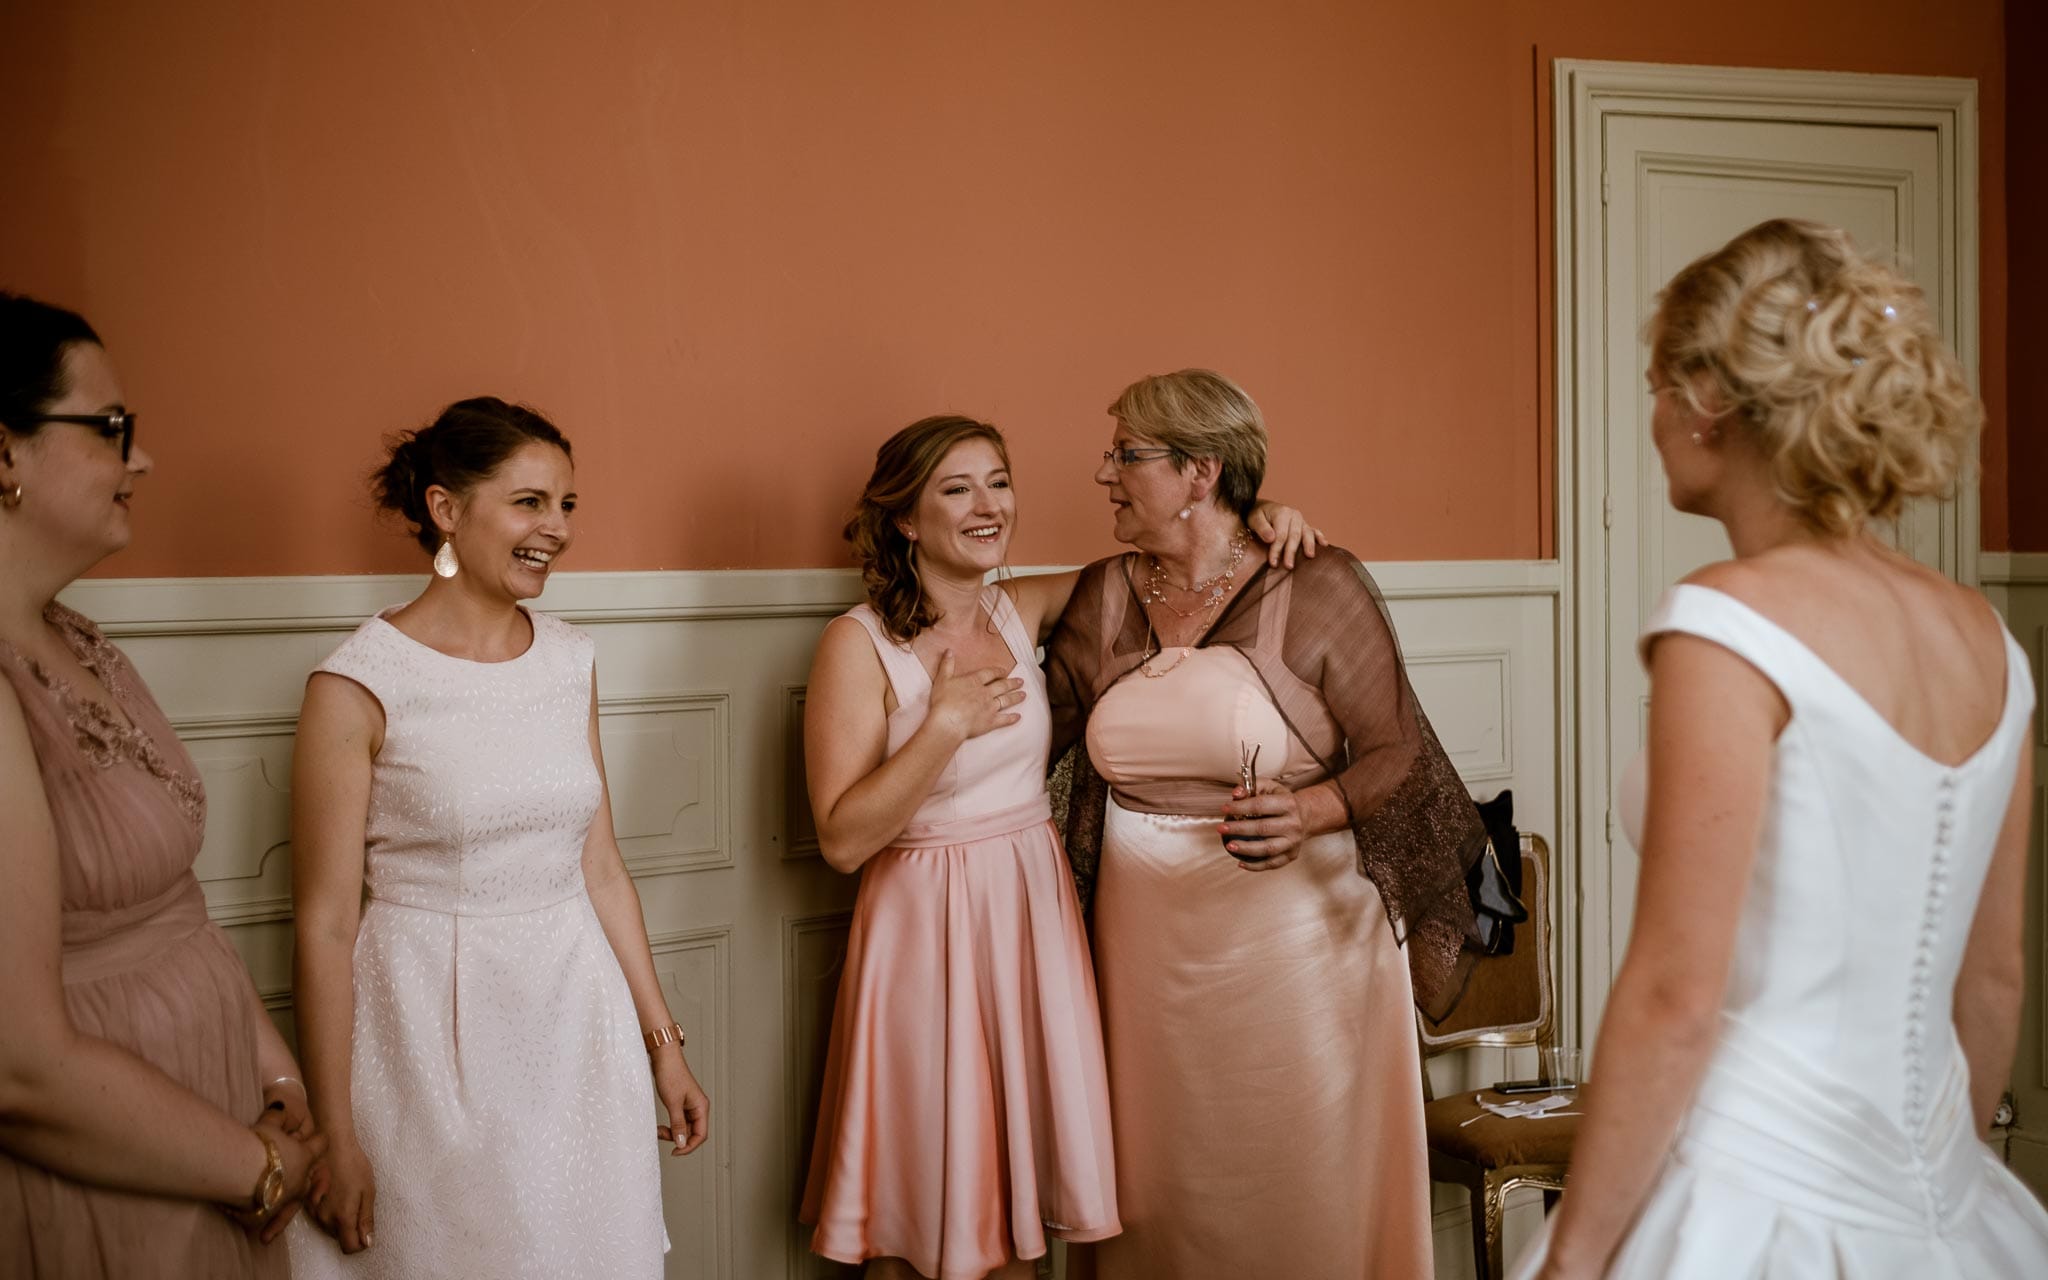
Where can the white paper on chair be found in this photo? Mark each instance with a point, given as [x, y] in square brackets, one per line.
[1526, 1109]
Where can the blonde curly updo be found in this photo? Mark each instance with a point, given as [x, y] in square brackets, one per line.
[1830, 359]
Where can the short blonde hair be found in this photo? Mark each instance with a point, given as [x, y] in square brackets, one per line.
[1201, 414]
[1830, 359]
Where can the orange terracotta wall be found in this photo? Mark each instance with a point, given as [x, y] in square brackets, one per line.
[729, 246]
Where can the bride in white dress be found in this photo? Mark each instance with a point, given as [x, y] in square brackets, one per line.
[1820, 1004]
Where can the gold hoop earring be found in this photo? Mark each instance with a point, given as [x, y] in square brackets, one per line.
[12, 497]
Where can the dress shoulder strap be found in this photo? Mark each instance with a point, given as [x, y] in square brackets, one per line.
[1003, 610]
[1780, 656]
[906, 674]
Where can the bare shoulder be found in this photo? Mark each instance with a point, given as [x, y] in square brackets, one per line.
[846, 652]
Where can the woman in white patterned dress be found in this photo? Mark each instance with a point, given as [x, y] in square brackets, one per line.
[1821, 999]
[473, 1037]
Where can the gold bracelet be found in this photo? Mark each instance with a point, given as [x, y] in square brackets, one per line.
[672, 1033]
[269, 1190]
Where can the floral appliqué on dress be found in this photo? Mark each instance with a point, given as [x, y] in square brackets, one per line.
[103, 736]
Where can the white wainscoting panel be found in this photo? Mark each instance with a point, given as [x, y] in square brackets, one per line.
[701, 679]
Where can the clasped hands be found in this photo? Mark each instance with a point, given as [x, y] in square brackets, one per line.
[287, 1121]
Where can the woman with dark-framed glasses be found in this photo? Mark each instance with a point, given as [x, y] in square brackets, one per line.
[1251, 746]
[964, 1121]
[136, 1053]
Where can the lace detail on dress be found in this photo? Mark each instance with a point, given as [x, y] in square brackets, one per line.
[103, 736]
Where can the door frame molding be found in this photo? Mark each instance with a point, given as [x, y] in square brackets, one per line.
[1584, 95]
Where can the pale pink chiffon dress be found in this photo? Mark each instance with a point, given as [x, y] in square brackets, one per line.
[143, 968]
[965, 1116]
[1260, 1026]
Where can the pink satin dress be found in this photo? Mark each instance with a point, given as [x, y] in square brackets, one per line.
[142, 966]
[1260, 1026]
[965, 1113]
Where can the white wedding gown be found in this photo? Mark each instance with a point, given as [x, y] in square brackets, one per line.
[1832, 1133]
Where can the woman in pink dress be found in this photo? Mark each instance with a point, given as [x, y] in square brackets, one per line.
[965, 1118]
[1261, 748]
[135, 1052]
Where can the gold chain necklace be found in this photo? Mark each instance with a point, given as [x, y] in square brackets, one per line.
[1215, 587]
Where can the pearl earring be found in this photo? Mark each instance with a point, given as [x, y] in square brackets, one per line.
[445, 563]
[1698, 438]
[1185, 512]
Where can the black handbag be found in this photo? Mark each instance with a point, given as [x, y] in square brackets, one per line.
[1494, 881]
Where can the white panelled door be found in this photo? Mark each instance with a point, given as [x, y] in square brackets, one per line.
[1657, 164]
[1675, 187]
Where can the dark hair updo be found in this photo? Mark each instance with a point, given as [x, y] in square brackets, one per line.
[33, 339]
[464, 445]
[903, 464]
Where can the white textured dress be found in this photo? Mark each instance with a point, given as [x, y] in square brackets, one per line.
[1832, 1134]
[500, 1086]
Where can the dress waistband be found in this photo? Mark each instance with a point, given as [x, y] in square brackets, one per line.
[1770, 1122]
[1198, 797]
[98, 944]
[980, 826]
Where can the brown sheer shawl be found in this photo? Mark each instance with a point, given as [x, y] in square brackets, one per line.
[1320, 639]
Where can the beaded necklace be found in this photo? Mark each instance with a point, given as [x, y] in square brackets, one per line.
[1213, 589]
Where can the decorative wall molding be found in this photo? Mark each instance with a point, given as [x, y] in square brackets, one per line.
[813, 953]
[701, 682]
[1469, 694]
[799, 829]
[694, 967]
[339, 602]
[667, 763]
[2013, 568]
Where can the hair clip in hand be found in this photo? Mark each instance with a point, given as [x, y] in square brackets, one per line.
[1248, 768]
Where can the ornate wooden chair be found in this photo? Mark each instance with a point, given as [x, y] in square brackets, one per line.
[1509, 1002]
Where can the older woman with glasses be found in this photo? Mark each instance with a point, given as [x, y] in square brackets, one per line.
[1259, 745]
[136, 1053]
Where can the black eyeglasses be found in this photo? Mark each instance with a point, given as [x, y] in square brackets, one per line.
[1124, 456]
[112, 426]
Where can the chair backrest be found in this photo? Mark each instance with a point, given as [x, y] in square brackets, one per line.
[1508, 1000]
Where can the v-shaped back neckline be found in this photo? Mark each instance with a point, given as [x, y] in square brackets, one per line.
[1860, 699]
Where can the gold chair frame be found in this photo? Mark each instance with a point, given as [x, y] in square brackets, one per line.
[1489, 1186]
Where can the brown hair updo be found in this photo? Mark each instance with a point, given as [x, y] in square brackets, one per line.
[1830, 359]
[468, 441]
[903, 464]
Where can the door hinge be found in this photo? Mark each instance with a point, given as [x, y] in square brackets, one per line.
[1610, 824]
[1606, 511]
[1606, 187]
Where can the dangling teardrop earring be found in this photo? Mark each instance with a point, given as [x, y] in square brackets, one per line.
[445, 563]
